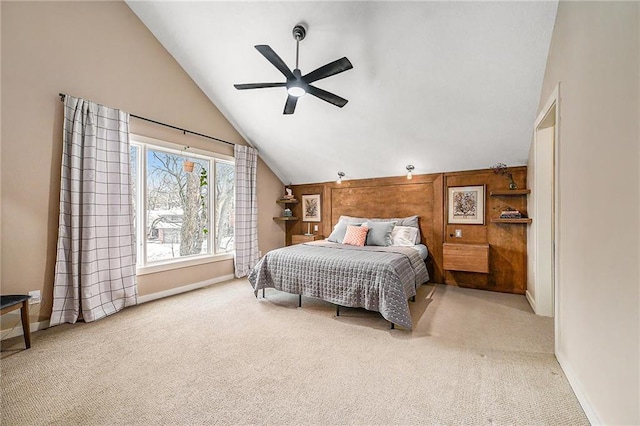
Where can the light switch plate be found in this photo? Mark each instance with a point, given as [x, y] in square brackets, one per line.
[458, 233]
[315, 228]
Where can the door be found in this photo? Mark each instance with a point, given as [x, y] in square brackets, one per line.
[544, 228]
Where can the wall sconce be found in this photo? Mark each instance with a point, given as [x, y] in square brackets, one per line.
[340, 176]
[410, 169]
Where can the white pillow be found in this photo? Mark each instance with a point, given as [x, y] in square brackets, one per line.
[403, 236]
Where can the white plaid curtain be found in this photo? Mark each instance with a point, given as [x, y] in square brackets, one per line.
[246, 211]
[95, 273]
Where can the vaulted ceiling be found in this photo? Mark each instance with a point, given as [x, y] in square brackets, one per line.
[443, 86]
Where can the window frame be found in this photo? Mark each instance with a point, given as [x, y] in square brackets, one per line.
[143, 144]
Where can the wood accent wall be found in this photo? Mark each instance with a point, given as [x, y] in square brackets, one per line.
[507, 241]
[426, 196]
[383, 198]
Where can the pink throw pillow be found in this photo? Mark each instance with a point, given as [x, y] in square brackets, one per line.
[356, 235]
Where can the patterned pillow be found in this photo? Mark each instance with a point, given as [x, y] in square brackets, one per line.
[356, 235]
[403, 236]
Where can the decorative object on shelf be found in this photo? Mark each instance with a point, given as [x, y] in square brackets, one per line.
[340, 176]
[466, 204]
[501, 169]
[311, 208]
[508, 212]
[287, 213]
[288, 195]
[410, 170]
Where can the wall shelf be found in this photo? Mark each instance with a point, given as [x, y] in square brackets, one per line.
[466, 257]
[510, 192]
[521, 220]
[285, 202]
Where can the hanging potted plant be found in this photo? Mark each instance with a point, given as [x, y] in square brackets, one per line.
[187, 165]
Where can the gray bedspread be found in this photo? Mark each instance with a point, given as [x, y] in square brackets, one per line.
[375, 278]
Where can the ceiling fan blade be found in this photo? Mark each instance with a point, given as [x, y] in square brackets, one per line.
[277, 62]
[327, 96]
[258, 85]
[290, 106]
[333, 68]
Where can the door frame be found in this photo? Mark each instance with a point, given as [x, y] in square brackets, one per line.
[553, 106]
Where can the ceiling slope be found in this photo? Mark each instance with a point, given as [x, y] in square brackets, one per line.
[444, 86]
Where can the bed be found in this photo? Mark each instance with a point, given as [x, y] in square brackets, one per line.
[375, 277]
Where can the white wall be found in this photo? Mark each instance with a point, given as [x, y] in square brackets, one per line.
[595, 55]
[99, 51]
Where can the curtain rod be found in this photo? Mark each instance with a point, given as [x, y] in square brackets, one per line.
[185, 131]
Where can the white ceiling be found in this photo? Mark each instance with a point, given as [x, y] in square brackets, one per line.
[444, 86]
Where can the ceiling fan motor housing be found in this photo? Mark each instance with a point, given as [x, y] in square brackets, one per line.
[299, 32]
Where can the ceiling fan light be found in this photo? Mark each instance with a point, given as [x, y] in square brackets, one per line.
[296, 91]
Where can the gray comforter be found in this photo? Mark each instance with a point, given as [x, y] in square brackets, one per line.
[375, 278]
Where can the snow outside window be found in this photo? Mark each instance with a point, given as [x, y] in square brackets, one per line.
[181, 213]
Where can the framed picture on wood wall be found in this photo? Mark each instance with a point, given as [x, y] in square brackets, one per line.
[311, 208]
[466, 204]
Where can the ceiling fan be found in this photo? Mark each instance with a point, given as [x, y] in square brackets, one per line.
[297, 84]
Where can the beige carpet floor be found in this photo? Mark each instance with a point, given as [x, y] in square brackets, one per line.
[218, 355]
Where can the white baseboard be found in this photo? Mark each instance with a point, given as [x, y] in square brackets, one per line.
[578, 389]
[531, 301]
[183, 289]
[17, 329]
[41, 325]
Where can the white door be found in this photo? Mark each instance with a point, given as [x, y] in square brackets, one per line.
[544, 220]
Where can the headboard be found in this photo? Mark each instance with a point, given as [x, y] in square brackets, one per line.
[388, 198]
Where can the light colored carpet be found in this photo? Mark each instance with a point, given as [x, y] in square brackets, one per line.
[219, 355]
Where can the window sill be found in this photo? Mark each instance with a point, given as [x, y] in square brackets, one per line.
[183, 263]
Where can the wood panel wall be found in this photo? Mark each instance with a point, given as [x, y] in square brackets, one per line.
[507, 242]
[381, 198]
[426, 196]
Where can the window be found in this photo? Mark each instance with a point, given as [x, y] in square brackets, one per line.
[182, 211]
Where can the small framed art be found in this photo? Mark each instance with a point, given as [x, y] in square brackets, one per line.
[311, 208]
[466, 204]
